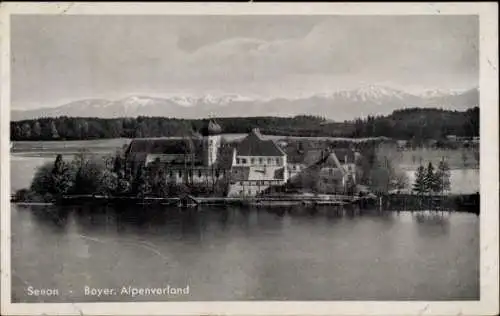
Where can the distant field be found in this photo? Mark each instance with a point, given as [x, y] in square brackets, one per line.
[411, 159]
[68, 147]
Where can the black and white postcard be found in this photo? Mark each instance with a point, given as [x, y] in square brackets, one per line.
[251, 158]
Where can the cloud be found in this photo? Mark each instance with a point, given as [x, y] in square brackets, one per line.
[84, 56]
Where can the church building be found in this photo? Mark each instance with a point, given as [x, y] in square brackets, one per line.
[196, 158]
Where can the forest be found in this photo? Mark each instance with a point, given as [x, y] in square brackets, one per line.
[417, 124]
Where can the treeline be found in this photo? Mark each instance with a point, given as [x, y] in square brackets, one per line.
[409, 124]
[70, 128]
[420, 124]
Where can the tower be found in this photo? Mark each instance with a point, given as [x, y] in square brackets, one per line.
[211, 142]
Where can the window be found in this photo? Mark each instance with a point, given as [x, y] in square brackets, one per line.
[217, 173]
[261, 161]
[278, 161]
[269, 160]
[294, 167]
[237, 160]
[199, 173]
[252, 161]
[170, 173]
[180, 174]
[241, 183]
[243, 161]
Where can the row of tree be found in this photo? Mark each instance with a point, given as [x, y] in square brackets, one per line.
[419, 124]
[430, 180]
[411, 124]
[88, 174]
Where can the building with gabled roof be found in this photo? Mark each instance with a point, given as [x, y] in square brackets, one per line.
[195, 158]
[258, 163]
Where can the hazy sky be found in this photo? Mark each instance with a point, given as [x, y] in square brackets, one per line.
[57, 59]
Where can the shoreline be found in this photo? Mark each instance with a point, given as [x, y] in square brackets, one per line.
[469, 203]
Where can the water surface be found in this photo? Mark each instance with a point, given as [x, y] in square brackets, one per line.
[245, 254]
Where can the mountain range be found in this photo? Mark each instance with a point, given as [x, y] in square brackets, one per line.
[337, 106]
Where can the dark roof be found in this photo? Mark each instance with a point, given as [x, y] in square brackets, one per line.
[211, 128]
[303, 157]
[255, 145]
[328, 161]
[139, 148]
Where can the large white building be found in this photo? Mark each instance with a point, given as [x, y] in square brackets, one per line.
[257, 164]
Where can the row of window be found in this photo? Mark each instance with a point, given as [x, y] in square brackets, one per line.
[260, 161]
[258, 182]
[190, 173]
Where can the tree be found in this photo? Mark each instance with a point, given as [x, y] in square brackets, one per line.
[430, 183]
[419, 185]
[53, 179]
[124, 184]
[442, 177]
[142, 185]
[62, 178]
[158, 179]
[108, 183]
[53, 130]
[37, 130]
[88, 175]
[26, 131]
[400, 181]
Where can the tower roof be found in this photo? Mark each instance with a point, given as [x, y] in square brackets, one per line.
[211, 128]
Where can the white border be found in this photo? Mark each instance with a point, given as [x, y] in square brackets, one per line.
[489, 284]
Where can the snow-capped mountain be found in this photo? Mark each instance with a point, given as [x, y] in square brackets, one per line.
[439, 93]
[339, 106]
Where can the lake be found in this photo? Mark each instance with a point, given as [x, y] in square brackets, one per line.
[244, 254]
[235, 253]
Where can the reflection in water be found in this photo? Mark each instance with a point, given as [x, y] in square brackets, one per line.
[246, 253]
[432, 224]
